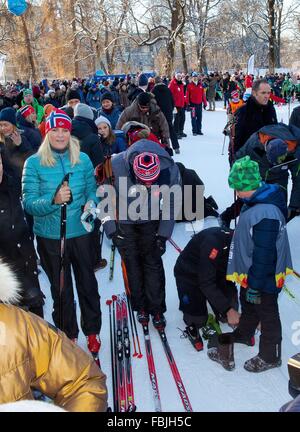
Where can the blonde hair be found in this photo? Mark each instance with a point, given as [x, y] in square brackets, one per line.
[46, 153]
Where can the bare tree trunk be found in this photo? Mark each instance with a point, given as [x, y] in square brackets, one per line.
[272, 35]
[202, 60]
[75, 48]
[183, 53]
[28, 47]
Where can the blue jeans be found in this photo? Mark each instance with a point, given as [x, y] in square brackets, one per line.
[196, 117]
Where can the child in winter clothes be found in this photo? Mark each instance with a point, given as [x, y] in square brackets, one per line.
[259, 260]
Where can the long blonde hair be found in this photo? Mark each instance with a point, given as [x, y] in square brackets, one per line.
[46, 153]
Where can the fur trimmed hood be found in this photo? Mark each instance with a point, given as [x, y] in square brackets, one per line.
[9, 286]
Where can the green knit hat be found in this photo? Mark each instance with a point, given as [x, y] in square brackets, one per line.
[244, 175]
[27, 92]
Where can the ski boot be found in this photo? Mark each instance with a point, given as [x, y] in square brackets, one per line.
[257, 364]
[94, 344]
[142, 316]
[159, 321]
[211, 328]
[193, 334]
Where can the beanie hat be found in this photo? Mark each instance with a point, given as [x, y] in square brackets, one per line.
[102, 119]
[276, 151]
[107, 96]
[235, 97]
[8, 115]
[36, 91]
[48, 108]
[26, 111]
[27, 92]
[83, 110]
[58, 119]
[244, 175]
[143, 80]
[146, 167]
[144, 99]
[133, 125]
[72, 94]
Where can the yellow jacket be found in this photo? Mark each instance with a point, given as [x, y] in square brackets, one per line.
[34, 354]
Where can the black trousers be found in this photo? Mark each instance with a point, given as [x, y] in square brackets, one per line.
[78, 255]
[173, 135]
[267, 314]
[193, 301]
[179, 120]
[144, 266]
[97, 236]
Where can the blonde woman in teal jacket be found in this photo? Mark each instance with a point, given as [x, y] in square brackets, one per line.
[43, 194]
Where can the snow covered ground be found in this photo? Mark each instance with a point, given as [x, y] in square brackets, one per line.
[209, 386]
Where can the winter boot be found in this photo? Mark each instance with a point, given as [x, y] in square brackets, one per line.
[257, 364]
[94, 344]
[238, 338]
[142, 316]
[211, 327]
[220, 349]
[192, 332]
[177, 151]
[159, 321]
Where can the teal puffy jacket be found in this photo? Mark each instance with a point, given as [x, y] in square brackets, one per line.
[39, 186]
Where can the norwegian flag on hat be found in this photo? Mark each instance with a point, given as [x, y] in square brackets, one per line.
[26, 110]
[58, 119]
[146, 167]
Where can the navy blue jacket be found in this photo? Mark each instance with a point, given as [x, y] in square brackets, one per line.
[32, 133]
[264, 238]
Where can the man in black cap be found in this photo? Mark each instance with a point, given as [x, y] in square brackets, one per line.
[72, 99]
[145, 110]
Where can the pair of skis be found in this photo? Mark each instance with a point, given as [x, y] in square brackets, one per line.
[172, 363]
[123, 393]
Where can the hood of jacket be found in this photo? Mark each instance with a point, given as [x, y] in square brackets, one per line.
[9, 286]
[268, 194]
[81, 127]
[290, 134]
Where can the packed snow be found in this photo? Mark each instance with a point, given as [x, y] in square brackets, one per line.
[209, 386]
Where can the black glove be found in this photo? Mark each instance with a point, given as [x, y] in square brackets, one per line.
[161, 244]
[170, 151]
[118, 239]
[293, 212]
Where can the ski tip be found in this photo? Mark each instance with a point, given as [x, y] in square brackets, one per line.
[140, 356]
[114, 298]
[108, 302]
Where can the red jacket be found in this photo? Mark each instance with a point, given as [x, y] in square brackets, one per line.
[195, 94]
[248, 81]
[177, 90]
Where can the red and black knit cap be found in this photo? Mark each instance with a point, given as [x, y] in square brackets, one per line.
[26, 110]
[146, 167]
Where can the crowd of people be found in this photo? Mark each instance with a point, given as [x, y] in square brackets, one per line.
[59, 142]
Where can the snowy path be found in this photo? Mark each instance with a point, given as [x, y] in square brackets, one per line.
[209, 386]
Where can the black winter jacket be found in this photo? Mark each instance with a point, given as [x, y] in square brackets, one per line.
[250, 118]
[295, 117]
[87, 133]
[164, 100]
[204, 260]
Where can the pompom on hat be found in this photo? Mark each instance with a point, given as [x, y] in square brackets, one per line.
[146, 167]
[58, 119]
